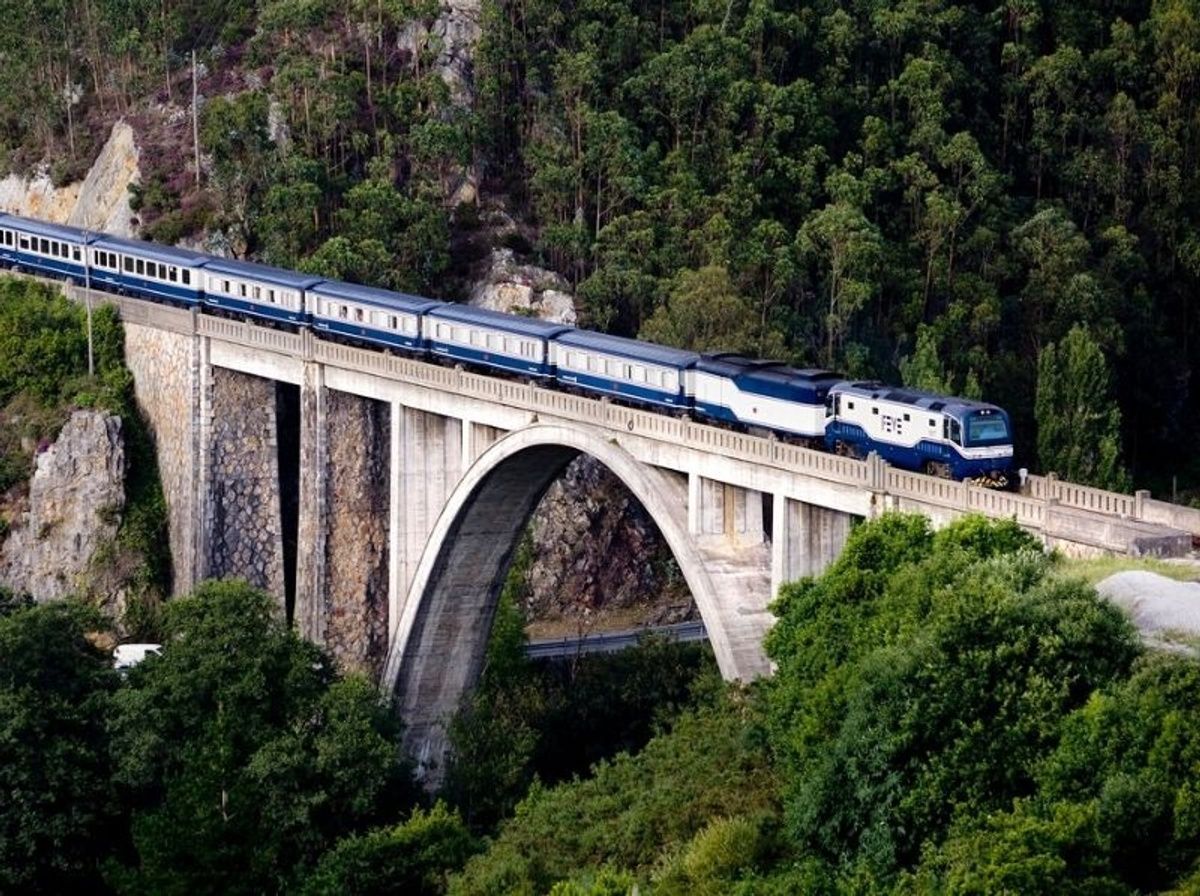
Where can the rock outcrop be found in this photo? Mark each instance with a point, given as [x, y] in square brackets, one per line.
[100, 201]
[516, 288]
[598, 556]
[76, 498]
[454, 33]
[1165, 612]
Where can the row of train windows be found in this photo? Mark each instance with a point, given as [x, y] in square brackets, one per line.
[357, 315]
[631, 373]
[251, 291]
[492, 342]
[41, 245]
[142, 268]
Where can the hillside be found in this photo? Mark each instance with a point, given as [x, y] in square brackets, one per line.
[943, 194]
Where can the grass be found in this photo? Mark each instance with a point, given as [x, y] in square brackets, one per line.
[1095, 569]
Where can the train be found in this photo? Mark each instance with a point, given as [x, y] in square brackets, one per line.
[939, 435]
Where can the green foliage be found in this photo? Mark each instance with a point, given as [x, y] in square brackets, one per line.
[241, 735]
[411, 858]
[58, 818]
[554, 720]
[922, 679]
[705, 313]
[1078, 421]
[710, 765]
[725, 850]
[42, 340]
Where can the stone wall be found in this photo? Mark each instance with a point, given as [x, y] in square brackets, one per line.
[165, 371]
[76, 497]
[356, 543]
[244, 528]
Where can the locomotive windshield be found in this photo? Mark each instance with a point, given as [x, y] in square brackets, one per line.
[988, 428]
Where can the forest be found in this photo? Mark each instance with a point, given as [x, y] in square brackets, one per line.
[953, 712]
[994, 199]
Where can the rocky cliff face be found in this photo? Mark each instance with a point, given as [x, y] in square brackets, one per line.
[598, 559]
[516, 288]
[76, 497]
[100, 201]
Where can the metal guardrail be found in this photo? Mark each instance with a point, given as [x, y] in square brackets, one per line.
[610, 642]
[1029, 509]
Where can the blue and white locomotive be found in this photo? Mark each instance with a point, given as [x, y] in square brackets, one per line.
[936, 434]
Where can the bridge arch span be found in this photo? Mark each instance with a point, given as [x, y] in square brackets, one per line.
[438, 643]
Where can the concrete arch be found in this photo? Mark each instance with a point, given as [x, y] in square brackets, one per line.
[437, 646]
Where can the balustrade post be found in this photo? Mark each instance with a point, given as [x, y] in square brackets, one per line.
[1140, 497]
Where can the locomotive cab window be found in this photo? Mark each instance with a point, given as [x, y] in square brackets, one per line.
[953, 431]
[985, 428]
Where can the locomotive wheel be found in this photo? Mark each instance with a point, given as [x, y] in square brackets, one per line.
[935, 468]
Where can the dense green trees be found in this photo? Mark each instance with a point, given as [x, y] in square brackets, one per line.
[922, 679]
[241, 735]
[59, 819]
[994, 174]
[1078, 420]
[949, 714]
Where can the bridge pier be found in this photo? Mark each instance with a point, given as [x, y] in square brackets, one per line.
[805, 539]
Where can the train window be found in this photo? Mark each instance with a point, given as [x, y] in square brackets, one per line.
[342, 311]
[75, 254]
[849, 405]
[258, 293]
[242, 290]
[932, 422]
[174, 274]
[358, 315]
[25, 242]
[393, 322]
[271, 296]
[477, 338]
[875, 411]
[45, 246]
[907, 417]
[141, 267]
[638, 374]
[187, 277]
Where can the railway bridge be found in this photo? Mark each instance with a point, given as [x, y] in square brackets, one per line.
[380, 498]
